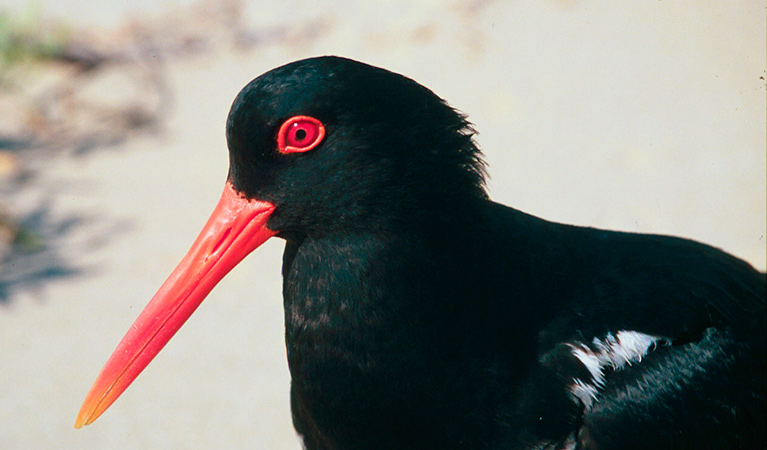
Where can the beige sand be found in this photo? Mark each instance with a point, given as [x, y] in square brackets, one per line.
[649, 119]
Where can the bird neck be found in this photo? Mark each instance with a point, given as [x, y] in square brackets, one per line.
[350, 290]
[367, 321]
[374, 317]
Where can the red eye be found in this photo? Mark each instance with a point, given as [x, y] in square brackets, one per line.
[300, 134]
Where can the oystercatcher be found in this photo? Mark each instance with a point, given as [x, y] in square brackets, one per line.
[419, 314]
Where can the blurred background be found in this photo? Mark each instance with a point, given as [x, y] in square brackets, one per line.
[642, 117]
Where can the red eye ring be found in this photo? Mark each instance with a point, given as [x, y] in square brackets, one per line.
[300, 134]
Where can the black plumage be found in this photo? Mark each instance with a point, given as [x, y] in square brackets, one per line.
[420, 314]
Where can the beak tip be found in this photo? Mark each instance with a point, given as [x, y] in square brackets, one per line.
[80, 422]
[86, 417]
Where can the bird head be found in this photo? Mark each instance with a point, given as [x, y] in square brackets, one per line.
[389, 147]
[322, 145]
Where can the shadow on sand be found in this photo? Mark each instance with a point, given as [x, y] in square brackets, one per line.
[93, 92]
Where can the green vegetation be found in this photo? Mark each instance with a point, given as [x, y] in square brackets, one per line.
[25, 37]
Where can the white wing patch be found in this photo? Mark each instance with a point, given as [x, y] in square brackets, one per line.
[585, 392]
[616, 351]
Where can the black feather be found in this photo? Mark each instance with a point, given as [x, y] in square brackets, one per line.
[419, 314]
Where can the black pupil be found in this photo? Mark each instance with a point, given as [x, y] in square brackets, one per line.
[300, 134]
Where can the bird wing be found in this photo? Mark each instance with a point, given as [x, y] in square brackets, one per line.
[655, 342]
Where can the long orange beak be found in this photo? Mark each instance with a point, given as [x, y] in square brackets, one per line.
[236, 227]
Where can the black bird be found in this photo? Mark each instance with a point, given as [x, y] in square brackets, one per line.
[419, 314]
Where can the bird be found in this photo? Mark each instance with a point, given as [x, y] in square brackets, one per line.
[420, 314]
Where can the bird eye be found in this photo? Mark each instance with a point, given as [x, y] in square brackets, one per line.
[300, 134]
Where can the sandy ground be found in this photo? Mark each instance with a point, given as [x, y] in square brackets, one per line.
[599, 114]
